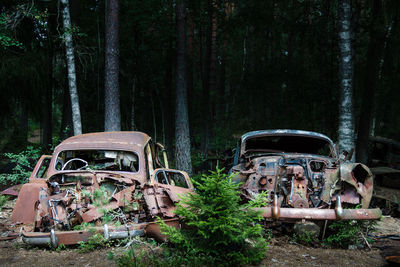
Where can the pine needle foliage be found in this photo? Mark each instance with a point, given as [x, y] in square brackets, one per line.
[218, 228]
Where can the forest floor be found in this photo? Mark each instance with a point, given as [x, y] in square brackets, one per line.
[282, 251]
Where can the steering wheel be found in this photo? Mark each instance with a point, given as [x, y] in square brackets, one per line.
[75, 159]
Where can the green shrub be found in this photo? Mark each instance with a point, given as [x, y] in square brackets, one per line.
[137, 257]
[346, 233]
[218, 229]
[95, 241]
[304, 238]
[25, 162]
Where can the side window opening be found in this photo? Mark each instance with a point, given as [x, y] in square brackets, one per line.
[43, 168]
[171, 178]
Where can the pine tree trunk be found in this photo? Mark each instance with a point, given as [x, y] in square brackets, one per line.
[112, 116]
[206, 94]
[69, 49]
[346, 119]
[66, 129]
[132, 109]
[213, 56]
[189, 59]
[48, 102]
[375, 47]
[169, 99]
[210, 75]
[22, 132]
[182, 136]
[224, 87]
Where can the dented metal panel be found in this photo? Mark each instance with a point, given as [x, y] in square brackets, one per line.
[24, 210]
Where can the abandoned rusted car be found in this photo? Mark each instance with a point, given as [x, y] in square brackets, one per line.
[304, 177]
[115, 182]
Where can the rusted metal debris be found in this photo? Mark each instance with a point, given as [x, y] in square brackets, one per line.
[304, 176]
[115, 181]
[12, 191]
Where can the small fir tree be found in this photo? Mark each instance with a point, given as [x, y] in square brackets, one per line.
[218, 228]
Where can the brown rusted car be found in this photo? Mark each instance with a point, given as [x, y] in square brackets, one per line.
[115, 182]
[304, 176]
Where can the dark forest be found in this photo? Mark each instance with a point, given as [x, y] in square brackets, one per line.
[195, 75]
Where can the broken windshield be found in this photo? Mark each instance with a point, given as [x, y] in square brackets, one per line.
[110, 160]
[289, 144]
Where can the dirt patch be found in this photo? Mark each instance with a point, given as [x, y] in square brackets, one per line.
[281, 252]
[285, 254]
[14, 256]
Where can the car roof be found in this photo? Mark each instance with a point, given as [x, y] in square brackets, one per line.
[123, 140]
[284, 132]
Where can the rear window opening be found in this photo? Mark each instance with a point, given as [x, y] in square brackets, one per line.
[110, 160]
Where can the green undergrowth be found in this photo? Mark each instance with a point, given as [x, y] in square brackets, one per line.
[3, 200]
[24, 163]
[344, 234]
[94, 242]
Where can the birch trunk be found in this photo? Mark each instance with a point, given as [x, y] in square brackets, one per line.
[182, 136]
[112, 116]
[346, 119]
[69, 49]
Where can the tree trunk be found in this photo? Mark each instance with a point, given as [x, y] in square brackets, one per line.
[112, 113]
[210, 75]
[206, 94]
[66, 117]
[22, 133]
[346, 120]
[189, 60]
[132, 108]
[213, 56]
[223, 106]
[48, 102]
[375, 47]
[182, 136]
[69, 49]
[168, 99]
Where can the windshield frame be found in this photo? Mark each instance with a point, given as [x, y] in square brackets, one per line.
[54, 163]
[280, 133]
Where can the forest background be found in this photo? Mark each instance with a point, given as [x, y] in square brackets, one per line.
[195, 75]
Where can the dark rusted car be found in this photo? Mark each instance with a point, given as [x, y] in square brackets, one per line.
[116, 182]
[304, 176]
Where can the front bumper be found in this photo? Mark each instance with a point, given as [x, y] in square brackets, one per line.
[278, 213]
[55, 238]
